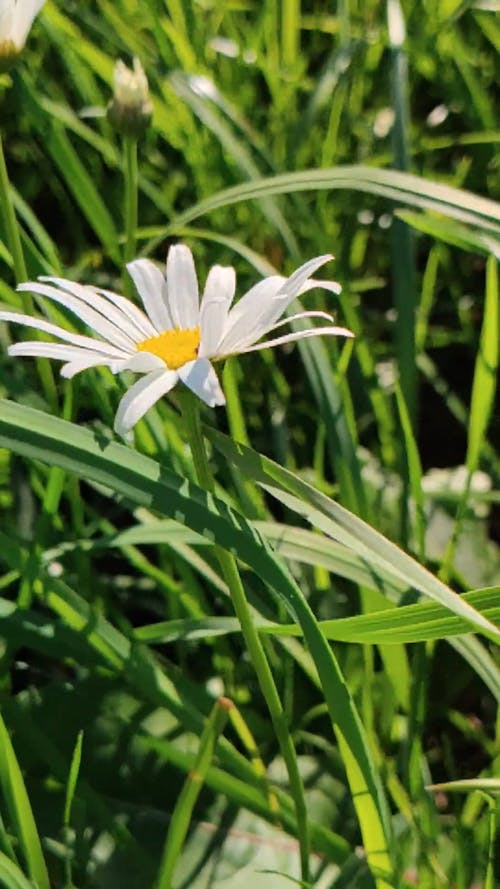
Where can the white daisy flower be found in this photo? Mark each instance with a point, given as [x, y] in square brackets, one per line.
[16, 19]
[176, 337]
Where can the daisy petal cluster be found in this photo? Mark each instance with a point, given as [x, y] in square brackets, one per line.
[176, 336]
[16, 19]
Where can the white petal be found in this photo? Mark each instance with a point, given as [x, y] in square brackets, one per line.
[332, 286]
[137, 316]
[258, 319]
[8, 24]
[76, 339]
[82, 310]
[69, 370]
[298, 335]
[25, 12]
[143, 362]
[300, 317]
[243, 319]
[298, 283]
[182, 287]
[217, 298]
[103, 303]
[36, 349]
[141, 396]
[299, 277]
[152, 288]
[200, 377]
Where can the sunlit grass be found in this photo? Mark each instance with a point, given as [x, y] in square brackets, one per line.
[280, 131]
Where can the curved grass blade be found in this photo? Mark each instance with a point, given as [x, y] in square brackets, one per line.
[339, 523]
[401, 188]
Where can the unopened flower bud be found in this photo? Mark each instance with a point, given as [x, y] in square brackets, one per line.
[130, 109]
[16, 19]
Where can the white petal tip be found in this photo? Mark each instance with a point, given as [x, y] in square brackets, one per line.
[126, 434]
[180, 248]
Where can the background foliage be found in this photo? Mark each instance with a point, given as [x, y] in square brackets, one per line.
[119, 624]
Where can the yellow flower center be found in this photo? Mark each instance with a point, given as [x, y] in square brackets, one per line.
[174, 347]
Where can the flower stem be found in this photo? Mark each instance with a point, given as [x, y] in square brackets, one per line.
[252, 639]
[131, 205]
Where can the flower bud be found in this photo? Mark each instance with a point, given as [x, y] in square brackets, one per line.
[130, 109]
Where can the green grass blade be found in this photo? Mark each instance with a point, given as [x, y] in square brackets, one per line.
[414, 471]
[402, 243]
[83, 189]
[297, 544]
[482, 401]
[74, 770]
[484, 383]
[339, 523]
[183, 811]
[393, 185]
[76, 760]
[20, 812]
[11, 876]
[422, 622]
[465, 785]
[453, 233]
